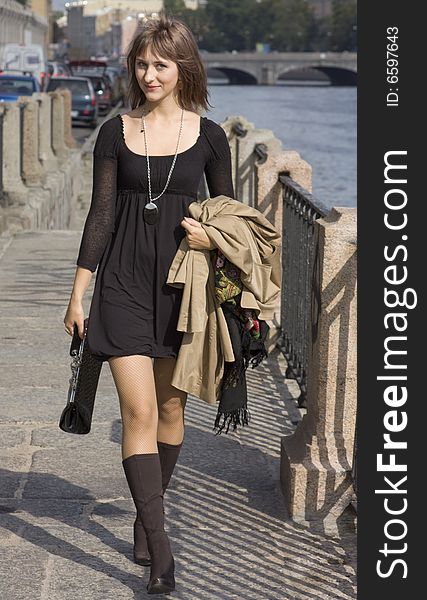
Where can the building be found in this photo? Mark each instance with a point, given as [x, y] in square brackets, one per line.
[20, 24]
[106, 27]
[127, 7]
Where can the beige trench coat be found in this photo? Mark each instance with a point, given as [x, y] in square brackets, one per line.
[253, 245]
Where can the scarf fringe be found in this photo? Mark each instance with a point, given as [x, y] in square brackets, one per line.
[240, 416]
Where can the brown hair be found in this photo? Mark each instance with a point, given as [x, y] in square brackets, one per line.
[170, 38]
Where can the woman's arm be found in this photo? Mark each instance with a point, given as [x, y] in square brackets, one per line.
[218, 169]
[75, 312]
[98, 226]
[219, 178]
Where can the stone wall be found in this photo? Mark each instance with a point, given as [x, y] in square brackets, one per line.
[40, 165]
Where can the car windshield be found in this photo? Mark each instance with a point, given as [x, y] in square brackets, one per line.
[97, 82]
[32, 59]
[13, 87]
[77, 88]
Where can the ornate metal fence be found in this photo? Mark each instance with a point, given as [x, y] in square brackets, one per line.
[300, 211]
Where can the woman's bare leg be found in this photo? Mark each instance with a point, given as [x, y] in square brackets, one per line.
[136, 388]
[171, 403]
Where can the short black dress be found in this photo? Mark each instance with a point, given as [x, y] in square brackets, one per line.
[133, 310]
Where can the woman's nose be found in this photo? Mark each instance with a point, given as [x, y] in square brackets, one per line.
[149, 76]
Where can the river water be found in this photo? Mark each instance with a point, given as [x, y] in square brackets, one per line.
[318, 121]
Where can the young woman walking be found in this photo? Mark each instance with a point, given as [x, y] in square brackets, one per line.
[147, 168]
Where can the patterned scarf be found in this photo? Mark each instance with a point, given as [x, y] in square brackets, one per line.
[247, 334]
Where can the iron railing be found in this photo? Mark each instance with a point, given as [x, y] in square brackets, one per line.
[300, 211]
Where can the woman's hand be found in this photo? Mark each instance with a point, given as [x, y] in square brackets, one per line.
[197, 237]
[74, 316]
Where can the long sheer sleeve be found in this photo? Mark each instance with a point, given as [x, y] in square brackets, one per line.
[218, 169]
[100, 219]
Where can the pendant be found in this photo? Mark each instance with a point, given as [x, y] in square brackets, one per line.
[151, 213]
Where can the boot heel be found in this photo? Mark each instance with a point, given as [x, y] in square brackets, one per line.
[159, 586]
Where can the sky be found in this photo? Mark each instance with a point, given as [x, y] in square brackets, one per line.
[58, 4]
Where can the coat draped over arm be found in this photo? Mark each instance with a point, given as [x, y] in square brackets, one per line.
[252, 244]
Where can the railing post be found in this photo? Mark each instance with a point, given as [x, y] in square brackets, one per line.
[2, 196]
[69, 140]
[58, 140]
[14, 189]
[46, 155]
[32, 171]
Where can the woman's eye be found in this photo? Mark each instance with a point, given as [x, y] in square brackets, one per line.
[141, 65]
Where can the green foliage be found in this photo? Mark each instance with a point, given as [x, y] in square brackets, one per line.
[343, 25]
[287, 25]
[174, 7]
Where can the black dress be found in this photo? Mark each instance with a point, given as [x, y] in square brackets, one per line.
[133, 310]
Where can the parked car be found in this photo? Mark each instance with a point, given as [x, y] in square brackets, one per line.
[115, 79]
[28, 59]
[58, 69]
[103, 91]
[96, 67]
[12, 86]
[84, 103]
[96, 70]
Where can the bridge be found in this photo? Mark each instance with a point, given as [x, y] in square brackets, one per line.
[251, 68]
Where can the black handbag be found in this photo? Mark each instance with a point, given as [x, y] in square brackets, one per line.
[77, 414]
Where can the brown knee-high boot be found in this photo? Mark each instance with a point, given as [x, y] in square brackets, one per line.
[168, 454]
[144, 477]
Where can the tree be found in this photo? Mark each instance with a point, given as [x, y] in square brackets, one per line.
[343, 25]
[231, 25]
[176, 8]
[288, 25]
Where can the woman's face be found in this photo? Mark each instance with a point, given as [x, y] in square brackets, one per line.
[157, 77]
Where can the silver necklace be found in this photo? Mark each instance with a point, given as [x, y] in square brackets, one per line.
[151, 210]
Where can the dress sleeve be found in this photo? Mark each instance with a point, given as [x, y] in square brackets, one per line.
[218, 167]
[100, 219]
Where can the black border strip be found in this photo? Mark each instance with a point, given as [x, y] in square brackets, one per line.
[397, 129]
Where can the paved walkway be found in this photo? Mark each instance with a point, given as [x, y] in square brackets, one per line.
[65, 510]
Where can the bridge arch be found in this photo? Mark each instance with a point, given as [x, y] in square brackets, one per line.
[234, 75]
[336, 75]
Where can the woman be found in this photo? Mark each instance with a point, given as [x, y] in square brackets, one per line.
[147, 167]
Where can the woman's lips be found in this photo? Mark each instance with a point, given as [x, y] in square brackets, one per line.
[154, 87]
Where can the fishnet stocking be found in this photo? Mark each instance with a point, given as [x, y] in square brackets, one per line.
[151, 408]
[170, 402]
[134, 379]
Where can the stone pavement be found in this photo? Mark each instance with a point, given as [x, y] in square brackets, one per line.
[65, 510]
